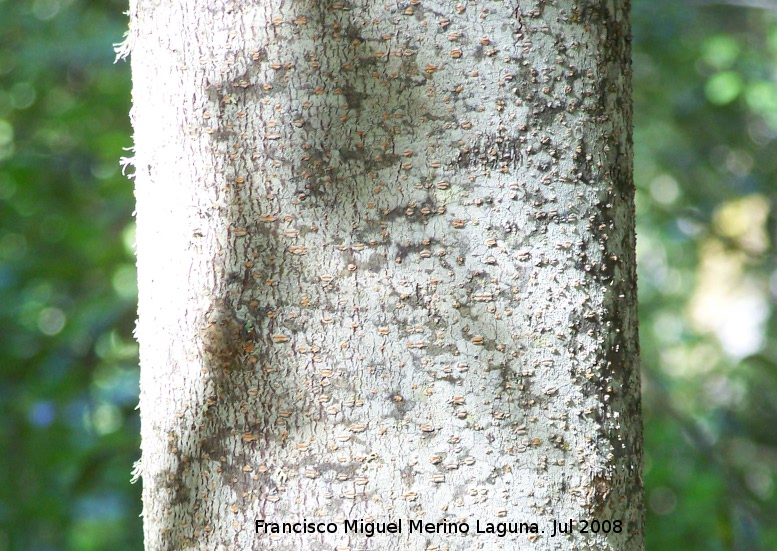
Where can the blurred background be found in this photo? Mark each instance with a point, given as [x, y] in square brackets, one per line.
[706, 170]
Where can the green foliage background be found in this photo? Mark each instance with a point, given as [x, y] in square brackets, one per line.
[705, 81]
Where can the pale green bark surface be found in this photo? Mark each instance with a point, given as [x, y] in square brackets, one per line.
[386, 263]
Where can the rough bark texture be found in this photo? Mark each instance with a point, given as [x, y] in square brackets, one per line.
[387, 272]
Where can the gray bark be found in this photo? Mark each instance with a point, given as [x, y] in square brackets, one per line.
[386, 271]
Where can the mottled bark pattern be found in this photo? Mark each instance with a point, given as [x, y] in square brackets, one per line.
[386, 263]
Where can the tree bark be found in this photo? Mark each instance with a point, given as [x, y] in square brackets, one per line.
[387, 273]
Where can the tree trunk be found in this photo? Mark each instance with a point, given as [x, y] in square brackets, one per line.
[387, 273]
